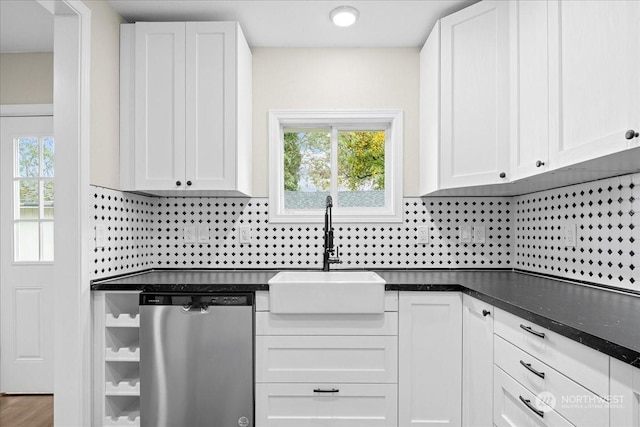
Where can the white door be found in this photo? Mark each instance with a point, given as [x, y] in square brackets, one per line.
[430, 359]
[26, 254]
[594, 75]
[529, 89]
[477, 362]
[210, 105]
[475, 95]
[159, 106]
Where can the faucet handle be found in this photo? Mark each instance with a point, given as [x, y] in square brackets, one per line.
[336, 258]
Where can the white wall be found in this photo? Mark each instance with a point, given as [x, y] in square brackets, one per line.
[341, 78]
[26, 78]
[105, 94]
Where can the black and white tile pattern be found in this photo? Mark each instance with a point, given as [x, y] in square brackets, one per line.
[607, 218]
[522, 232]
[151, 235]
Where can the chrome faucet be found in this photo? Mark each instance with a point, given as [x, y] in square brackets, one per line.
[327, 255]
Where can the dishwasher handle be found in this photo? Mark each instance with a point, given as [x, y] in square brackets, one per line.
[195, 309]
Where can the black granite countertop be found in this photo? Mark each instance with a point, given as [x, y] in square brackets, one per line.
[605, 320]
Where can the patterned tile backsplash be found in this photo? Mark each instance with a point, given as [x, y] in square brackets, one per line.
[147, 232]
[523, 232]
[606, 215]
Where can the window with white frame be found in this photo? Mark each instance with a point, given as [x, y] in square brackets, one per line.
[33, 198]
[353, 156]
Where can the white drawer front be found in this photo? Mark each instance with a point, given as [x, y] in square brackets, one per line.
[297, 405]
[326, 324]
[574, 402]
[582, 364]
[511, 411]
[347, 359]
[390, 301]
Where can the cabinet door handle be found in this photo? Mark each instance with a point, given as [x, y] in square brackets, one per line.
[178, 183]
[528, 366]
[503, 174]
[527, 402]
[539, 163]
[322, 390]
[188, 183]
[531, 331]
[485, 313]
[631, 134]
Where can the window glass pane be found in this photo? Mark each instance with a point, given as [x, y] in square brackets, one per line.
[361, 168]
[47, 241]
[47, 186]
[307, 168]
[47, 157]
[28, 194]
[28, 157]
[27, 241]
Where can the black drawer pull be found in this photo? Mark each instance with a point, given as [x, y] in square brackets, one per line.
[531, 331]
[485, 313]
[528, 366]
[530, 406]
[321, 390]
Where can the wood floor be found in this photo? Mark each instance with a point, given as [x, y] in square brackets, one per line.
[26, 410]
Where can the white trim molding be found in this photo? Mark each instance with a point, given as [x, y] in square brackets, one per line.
[390, 120]
[26, 110]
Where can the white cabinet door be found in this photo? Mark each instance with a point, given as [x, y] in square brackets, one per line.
[529, 87]
[159, 105]
[477, 362]
[594, 58]
[475, 95]
[625, 394]
[326, 405]
[430, 358]
[210, 105]
[344, 359]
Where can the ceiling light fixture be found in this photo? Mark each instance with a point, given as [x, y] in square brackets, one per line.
[344, 16]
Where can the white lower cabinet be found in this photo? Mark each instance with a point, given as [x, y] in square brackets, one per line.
[514, 405]
[326, 370]
[430, 359]
[625, 395]
[477, 362]
[349, 359]
[326, 404]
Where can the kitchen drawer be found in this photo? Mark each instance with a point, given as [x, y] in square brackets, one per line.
[574, 402]
[297, 405]
[582, 364]
[347, 359]
[326, 324]
[390, 301]
[510, 410]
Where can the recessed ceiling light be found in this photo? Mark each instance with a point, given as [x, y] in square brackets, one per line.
[344, 16]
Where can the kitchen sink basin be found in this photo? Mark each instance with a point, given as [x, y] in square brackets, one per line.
[326, 292]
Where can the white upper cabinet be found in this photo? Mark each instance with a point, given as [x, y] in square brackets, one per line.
[474, 146]
[594, 77]
[526, 87]
[185, 108]
[529, 87]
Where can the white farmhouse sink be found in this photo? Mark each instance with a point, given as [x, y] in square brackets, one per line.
[326, 292]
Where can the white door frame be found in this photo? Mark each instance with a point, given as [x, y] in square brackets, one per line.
[72, 321]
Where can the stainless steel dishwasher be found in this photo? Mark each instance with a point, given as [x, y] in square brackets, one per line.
[196, 360]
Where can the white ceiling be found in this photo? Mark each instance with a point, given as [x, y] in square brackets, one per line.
[304, 23]
[25, 26]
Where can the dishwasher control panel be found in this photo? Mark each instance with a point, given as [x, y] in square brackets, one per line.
[196, 300]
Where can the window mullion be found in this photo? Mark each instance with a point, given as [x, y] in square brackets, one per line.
[334, 165]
